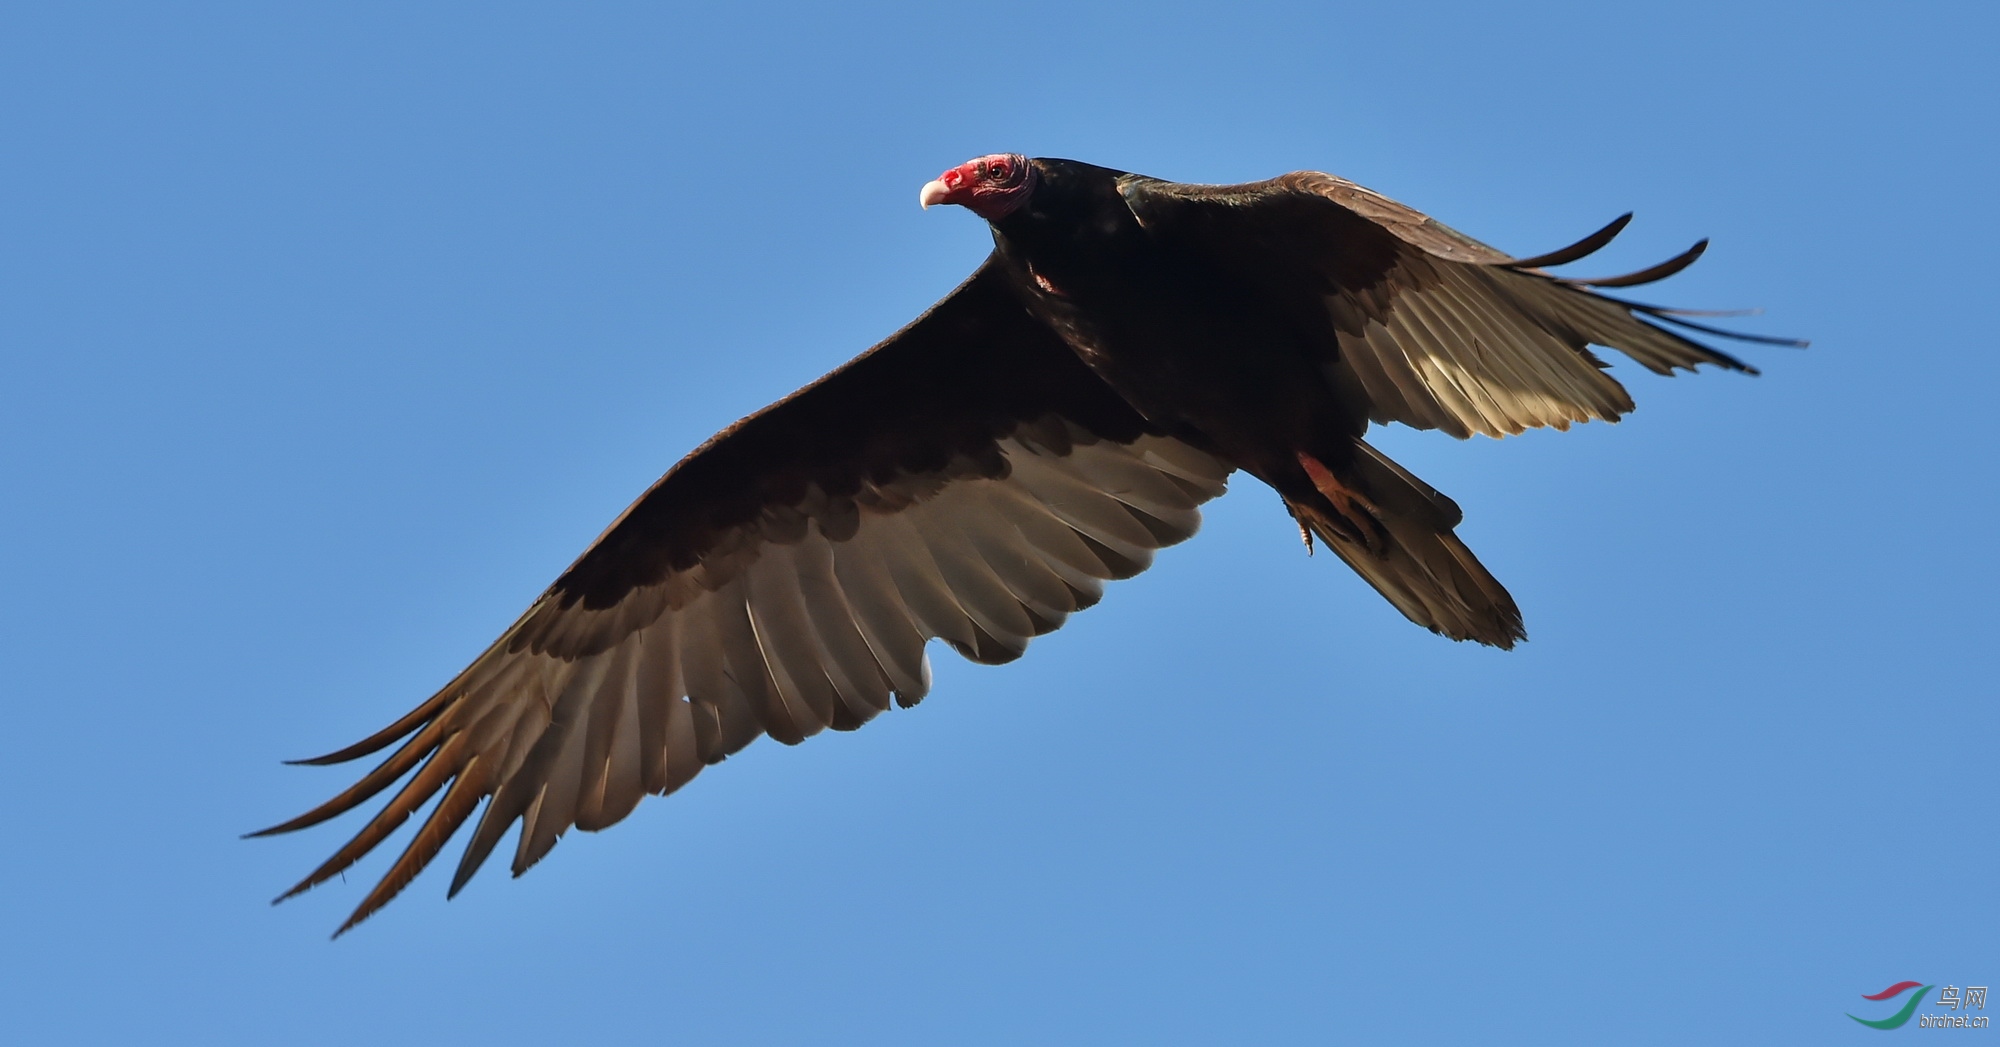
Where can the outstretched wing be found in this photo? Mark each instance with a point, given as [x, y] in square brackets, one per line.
[1433, 328]
[967, 479]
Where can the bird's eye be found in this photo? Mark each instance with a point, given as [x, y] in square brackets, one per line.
[1000, 171]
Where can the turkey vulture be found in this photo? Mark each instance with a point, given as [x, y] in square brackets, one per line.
[978, 476]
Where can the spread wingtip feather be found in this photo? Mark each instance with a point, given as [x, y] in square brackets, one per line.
[1586, 246]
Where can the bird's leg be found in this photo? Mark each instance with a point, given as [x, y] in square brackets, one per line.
[1362, 519]
[1305, 532]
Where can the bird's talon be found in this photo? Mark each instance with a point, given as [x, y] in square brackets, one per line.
[1363, 519]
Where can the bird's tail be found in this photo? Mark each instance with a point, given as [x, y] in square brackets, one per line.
[1396, 531]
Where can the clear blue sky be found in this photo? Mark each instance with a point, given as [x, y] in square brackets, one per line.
[327, 339]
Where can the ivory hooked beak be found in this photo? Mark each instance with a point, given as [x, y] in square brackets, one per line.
[934, 192]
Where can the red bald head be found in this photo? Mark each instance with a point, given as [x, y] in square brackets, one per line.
[990, 187]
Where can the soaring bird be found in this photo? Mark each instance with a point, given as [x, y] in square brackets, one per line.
[979, 476]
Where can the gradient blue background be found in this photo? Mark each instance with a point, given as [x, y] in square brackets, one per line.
[328, 339]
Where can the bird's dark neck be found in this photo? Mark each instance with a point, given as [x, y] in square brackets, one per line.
[1076, 208]
[1074, 234]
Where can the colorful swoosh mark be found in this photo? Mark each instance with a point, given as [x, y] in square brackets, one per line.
[1892, 990]
[1900, 1018]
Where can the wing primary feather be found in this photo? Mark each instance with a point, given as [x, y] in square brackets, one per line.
[384, 775]
[659, 665]
[451, 812]
[683, 758]
[549, 816]
[414, 795]
[511, 791]
[1651, 273]
[1598, 319]
[410, 721]
[721, 712]
[1664, 310]
[485, 835]
[1700, 352]
[612, 739]
[1586, 246]
[554, 809]
[1673, 316]
[521, 786]
[624, 781]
